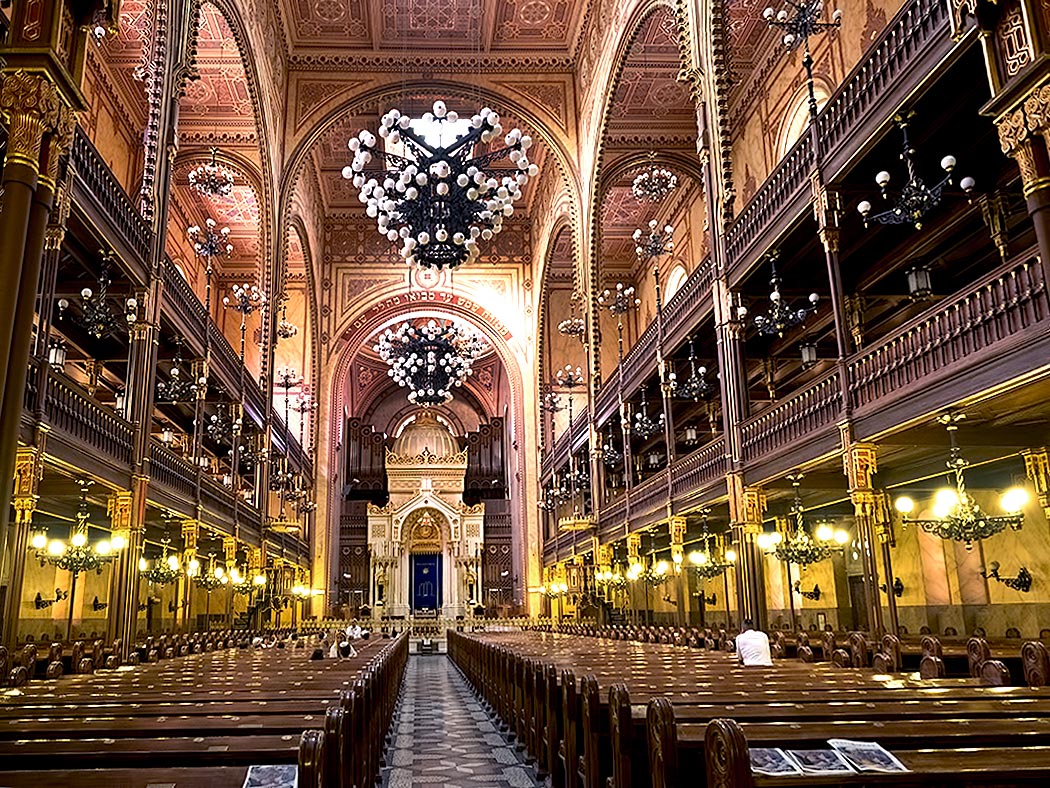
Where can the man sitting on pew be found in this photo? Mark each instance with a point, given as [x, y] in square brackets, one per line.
[752, 646]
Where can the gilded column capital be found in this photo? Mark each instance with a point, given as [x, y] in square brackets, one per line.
[1037, 468]
[634, 545]
[118, 507]
[1037, 110]
[31, 105]
[859, 464]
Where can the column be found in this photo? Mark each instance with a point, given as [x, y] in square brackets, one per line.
[1024, 135]
[1037, 468]
[746, 508]
[124, 577]
[676, 528]
[28, 471]
[190, 533]
[859, 465]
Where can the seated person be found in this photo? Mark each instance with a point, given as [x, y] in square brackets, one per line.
[346, 650]
[752, 646]
[317, 654]
[333, 652]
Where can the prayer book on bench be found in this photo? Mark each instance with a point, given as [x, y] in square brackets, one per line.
[868, 756]
[771, 761]
[280, 776]
[820, 761]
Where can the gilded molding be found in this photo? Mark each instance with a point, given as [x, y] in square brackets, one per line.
[31, 104]
[118, 507]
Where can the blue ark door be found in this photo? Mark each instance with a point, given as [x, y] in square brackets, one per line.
[426, 581]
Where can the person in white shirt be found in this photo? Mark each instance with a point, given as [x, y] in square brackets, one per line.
[752, 647]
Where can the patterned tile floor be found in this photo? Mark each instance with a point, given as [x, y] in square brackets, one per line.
[443, 737]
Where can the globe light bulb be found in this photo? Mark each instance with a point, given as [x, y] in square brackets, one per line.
[39, 541]
[103, 548]
[55, 547]
[661, 568]
[731, 555]
[825, 532]
[904, 505]
[841, 537]
[79, 539]
[173, 563]
[1014, 500]
[118, 542]
[944, 502]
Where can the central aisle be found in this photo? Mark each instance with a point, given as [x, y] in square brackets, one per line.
[442, 736]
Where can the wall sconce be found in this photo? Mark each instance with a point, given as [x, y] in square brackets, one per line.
[653, 459]
[710, 601]
[40, 603]
[120, 398]
[814, 594]
[1022, 583]
[920, 285]
[172, 607]
[56, 355]
[691, 437]
[897, 588]
[97, 606]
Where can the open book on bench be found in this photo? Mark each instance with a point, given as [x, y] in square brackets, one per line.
[844, 757]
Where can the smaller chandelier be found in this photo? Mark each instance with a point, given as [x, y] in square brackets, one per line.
[554, 495]
[956, 515]
[644, 425]
[569, 377]
[801, 548]
[621, 300]
[208, 242]
[180, 386]
[286, 329]
[552, 402]
[215, 576]
[804, 23]
[654, 183]
[779, 318]
[916, 199]
[430, 360]
[287, 378]
[573, 327]
[97, 315]
[246, 299]
[437, 200]
[211, 178]
[656, 242]
[163, 570]
[221, 426]
[696, 385]
[611, 456]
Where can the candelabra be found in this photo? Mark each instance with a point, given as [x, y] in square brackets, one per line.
[209, 244]
[779, 317]
[655, 242]
[915, 199]
[246, 300]
[611, 456]
[619, 301]
[438, 200]
[956, 515]
[304, 404]
[798, 28]
[571, 378]
[286, 329]
[1022, 582]
[161, 571]
[211, 178]
[97, 316]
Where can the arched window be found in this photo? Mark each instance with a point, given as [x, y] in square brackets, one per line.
[675, 281]
[797, 119]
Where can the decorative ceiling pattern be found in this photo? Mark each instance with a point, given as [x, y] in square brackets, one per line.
[471, 26]
[650, 103]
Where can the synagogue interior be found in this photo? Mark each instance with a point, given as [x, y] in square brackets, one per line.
[565, 393]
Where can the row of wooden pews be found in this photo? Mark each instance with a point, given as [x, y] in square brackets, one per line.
[593, 712]
[202, 720]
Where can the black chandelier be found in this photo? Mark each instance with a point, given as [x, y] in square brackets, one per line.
[180, 385]
[554, 495]
[656, 242]
[437, 200]
[430, 360]
[957, 515]
[619, 301]
[97, 315]
[209, 243]
[246, 299]
[780, 317]
[286, 329]
[800, 547]
[708, 563]
[611, 456]
[221, 425]
[211, 178]
[915, 199]
[804, 23]
[213, 578]
[163, 570]
[644, 425]
[696, 386]
[77, 556]
[654, 183]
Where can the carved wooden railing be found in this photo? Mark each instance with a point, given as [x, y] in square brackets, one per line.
[814, 408]
[285, 442]
[217, 499]
[97, 184]
[920, 28]
[699, 470]
[183, 305]
[1004, 304]
[558, 455]
[170, 471]
[76, 415]
[649, 498]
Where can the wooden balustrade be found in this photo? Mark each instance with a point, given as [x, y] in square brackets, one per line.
[97, 190]
[183, 306]
[171, 472]
[905, 54]
[96, 427]
[218, 499]
[1003, 305]
[793, 419]
[558, 455]
[698, 471]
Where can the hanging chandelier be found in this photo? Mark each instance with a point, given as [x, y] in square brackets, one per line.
[915, 199]
[657, 242]
[97, 315]
[621, 300]
[438, 199]
[211, 178]
[286, 329]
[77, 555]
[573, 327]
[801, 548]
[779, 317]
[611, 456]
[654, 183]
[163, 570]
[215, 576]
[180, 386]
[956, 515]
[696, 385]
[208, 242]
[221, 425]
[554, 495]
[430, 360]
[644, 425]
